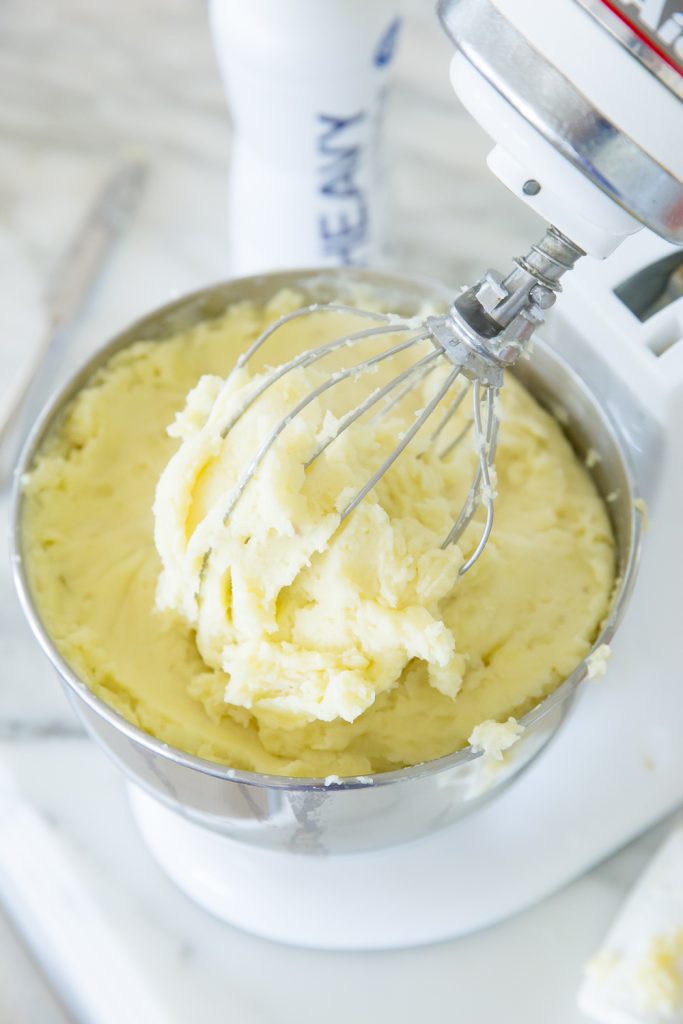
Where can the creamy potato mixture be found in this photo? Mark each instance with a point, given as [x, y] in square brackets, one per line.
[264, 633]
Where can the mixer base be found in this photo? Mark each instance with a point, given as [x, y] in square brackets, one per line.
[611, 772]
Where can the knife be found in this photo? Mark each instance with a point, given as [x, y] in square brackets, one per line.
[69, 289]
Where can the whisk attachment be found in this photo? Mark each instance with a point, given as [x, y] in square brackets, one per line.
[484, 332]
[483, 487]
[490, 324]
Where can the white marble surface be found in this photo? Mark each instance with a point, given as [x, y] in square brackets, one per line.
[83, 83]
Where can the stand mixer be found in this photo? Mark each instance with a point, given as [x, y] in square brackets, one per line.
[613, 770]
[598, 169]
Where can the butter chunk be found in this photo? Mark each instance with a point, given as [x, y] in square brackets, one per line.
[596, 662]
[494, 738]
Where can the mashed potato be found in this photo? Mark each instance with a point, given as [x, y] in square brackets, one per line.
[277, 639]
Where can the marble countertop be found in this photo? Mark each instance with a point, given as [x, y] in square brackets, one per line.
[85, 84]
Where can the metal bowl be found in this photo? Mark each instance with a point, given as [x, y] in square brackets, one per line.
[357, 813]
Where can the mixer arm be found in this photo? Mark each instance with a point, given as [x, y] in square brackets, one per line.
[585, 109]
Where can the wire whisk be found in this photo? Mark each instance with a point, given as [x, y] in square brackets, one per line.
[485, 331]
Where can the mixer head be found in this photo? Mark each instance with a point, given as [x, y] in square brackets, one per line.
[582, 99]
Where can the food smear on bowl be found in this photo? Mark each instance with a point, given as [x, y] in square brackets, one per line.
[276, 638]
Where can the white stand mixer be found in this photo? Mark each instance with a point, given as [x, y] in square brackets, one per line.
[614, 769]
[585, 107]
[617, 766]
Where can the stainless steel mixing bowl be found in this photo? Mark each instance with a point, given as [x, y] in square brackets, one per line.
[318, 815]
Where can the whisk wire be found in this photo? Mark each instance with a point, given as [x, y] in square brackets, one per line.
[427, 361]
[404, 392]
[403, 443]
[445, 452]
[481, 488]
[306, 359]
[335, 378]
[450, 413]
[323, 307]
[485, 441]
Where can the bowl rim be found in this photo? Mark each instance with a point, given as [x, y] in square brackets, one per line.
[79, 689]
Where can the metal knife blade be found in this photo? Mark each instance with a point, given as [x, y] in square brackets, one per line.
[68, 292]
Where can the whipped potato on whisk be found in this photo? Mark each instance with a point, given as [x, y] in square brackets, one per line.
[309, 617]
